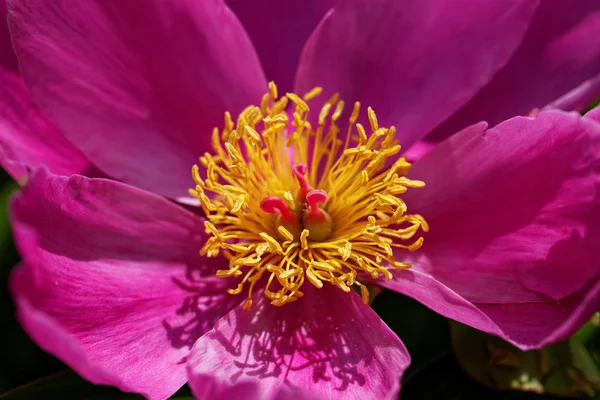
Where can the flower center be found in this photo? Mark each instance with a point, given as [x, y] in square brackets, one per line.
[308, 215]
[287, 201]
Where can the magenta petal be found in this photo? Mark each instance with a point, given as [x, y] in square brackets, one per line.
[212, 387]
[27, 138]
[111, 281]
[415, 62]
[513, 210]
[137, 89]
[8, 59]
[560, 52]
[279, 30]
[515, 223]
[579, 98]
[526, 325]
[327, 345]
[561, 318]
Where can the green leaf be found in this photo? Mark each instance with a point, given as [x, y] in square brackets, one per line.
[564, 369]
[5, 192]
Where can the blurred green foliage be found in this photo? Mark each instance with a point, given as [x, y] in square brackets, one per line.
[564, 369]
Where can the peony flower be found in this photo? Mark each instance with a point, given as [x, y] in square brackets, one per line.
[306, 199]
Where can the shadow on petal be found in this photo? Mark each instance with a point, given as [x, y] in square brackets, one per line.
[326, 342]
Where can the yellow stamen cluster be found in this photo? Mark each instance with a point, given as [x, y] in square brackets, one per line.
[253, 159]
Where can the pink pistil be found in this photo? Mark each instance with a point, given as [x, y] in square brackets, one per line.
[274, 205]
[313, 198]
[299, 170]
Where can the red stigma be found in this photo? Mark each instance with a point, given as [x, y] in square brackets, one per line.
[274, 205]
[313, 198]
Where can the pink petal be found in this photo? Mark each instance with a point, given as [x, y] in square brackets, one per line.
[418, 150]
[111, 281]
[279, 30]
[560, 52]
[211, 387]
[513, 209]
[8, 59]
[515, 223]
[27, 138]
[327, 345]
[579, 98]
[137, 89]
[414, 62]
[526, 325]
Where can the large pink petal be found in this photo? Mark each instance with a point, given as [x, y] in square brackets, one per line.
[27, 138]
[415, 62]
[137, 89]
[279, 30]
[560, 52]
[327, 345]
[515, 221]
[513, 210]
[111, 280]
[526, 325]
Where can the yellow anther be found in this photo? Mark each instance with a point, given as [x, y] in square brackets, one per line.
[362, 135]
[364, 178]
[291, 273]
[355, 112]
[275, 246]
[301, 104]
[264, 103]
[334, 98]
[228, 124]
[273, 90]
[261, 248]
[303, 237]
[227, 273]
[196, 175]
[233, 153]
[312, 278]
[372, 119]
[285, 233]
[338, 111]
[239, 203]
[211, 228]
[416, 244]
[400, 265]
[314, 92]
[253, 134]
[345, 251]
[324, 112]
[323, 266]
